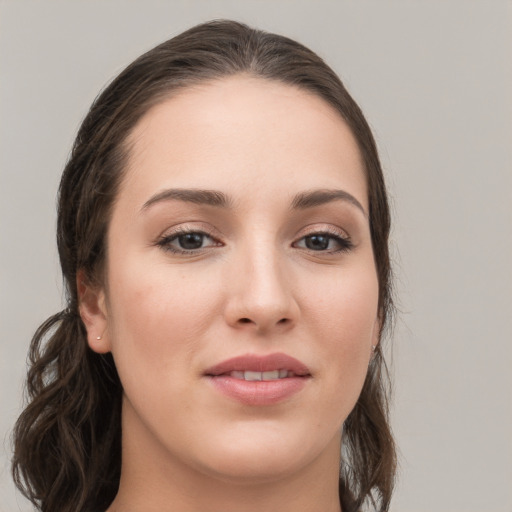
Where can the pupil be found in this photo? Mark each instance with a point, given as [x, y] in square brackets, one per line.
[317, 242]
[191, 240]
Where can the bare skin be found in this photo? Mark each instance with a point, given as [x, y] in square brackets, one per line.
[274, 269]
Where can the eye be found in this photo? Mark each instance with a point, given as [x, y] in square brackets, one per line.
[186, 242]
[325, 242]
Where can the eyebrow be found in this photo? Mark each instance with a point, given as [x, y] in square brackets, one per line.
[301, 201]
[318, 197]
[196, 196]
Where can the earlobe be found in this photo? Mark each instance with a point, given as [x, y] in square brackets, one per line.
[93, 312]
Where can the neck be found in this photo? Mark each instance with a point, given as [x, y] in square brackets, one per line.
[284, 495]
[152, 480]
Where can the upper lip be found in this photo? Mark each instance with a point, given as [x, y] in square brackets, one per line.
[256, 363]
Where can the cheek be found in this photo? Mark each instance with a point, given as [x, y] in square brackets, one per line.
[157, 323]
[344, 313]
[345, 307]
[157, 317]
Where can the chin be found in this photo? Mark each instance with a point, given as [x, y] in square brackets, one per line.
[255, 471]
[258, 459]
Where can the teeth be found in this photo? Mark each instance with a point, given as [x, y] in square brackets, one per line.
[273, 375]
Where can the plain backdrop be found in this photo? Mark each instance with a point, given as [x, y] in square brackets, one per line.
[434, 80]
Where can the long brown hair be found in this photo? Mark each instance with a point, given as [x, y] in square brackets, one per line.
[67, 451]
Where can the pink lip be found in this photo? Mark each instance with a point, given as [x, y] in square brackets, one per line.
[259, 392]
[254, 363]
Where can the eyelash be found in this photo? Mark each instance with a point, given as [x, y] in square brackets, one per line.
[344, 242]
[165, 242]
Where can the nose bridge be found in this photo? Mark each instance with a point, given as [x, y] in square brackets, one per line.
[261, 292]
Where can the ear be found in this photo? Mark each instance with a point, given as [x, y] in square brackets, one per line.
[377, 326]
[91, 304]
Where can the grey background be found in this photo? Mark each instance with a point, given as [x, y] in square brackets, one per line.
[434, 79]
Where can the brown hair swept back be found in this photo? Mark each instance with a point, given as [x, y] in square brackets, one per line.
[67, 451]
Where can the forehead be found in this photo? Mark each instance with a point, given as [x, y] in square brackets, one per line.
[243, 133]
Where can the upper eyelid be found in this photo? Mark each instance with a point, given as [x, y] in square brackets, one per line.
[325, 229]
[216, 234]
[176, 234]
[213, 230]
[185, 228]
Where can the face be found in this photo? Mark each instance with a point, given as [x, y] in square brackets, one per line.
[239, 248]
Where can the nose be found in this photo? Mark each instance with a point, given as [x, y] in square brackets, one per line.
[260, 294]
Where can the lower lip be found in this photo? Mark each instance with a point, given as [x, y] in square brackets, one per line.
[258, 392]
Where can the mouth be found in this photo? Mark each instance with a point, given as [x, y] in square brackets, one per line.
[253, 367]
[260, 376]
[259, 380]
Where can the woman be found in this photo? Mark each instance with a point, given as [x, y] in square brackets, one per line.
[222, 232]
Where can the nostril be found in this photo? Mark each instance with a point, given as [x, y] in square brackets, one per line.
[265, 323]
